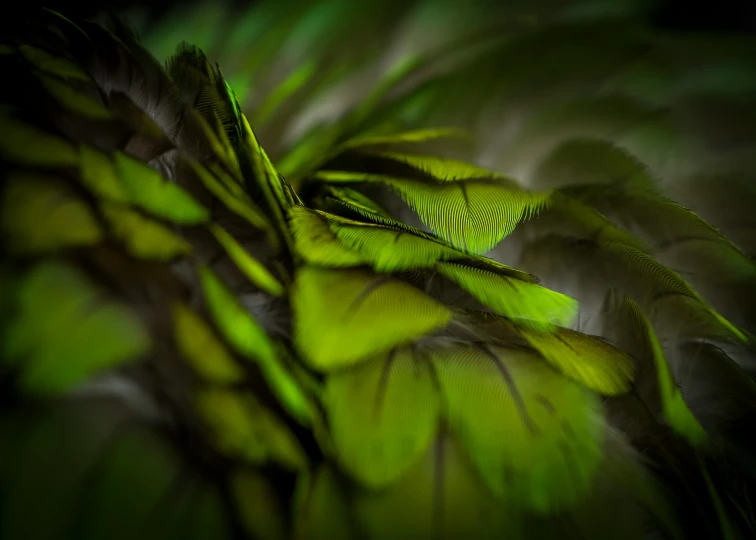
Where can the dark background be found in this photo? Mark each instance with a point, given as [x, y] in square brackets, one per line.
[724, 15]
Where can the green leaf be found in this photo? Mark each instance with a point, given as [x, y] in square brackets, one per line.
[675, 410]
[341, 316]
[382, 415]
[40, 214]
[473, 215]
[503, 290]
[316, 243]
[98, 174]
[152, 193]
[250, 267]
[535, 436]
[588, 360]
[205, 352]
[246, 429]
[66, 330]
[27, 145]
[143, 237]
[248, 338]
[74, 101]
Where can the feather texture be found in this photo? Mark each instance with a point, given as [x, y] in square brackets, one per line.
[408, 270]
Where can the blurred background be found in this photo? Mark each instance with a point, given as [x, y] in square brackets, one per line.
[732, 15]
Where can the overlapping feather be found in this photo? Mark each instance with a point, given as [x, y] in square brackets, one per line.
[331, 354]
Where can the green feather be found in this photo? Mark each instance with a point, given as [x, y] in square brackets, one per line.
[585, 359]
[242, 427]
[143, 237]
[249, 266]
[26, 145]
[501, 288]
[316, 243]
[156, 195]
[342, 316]
[206, 353]
[40, 214]
[473, 215]
[674, 409]
[383, 414]
[535, 436]
[86, 334]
